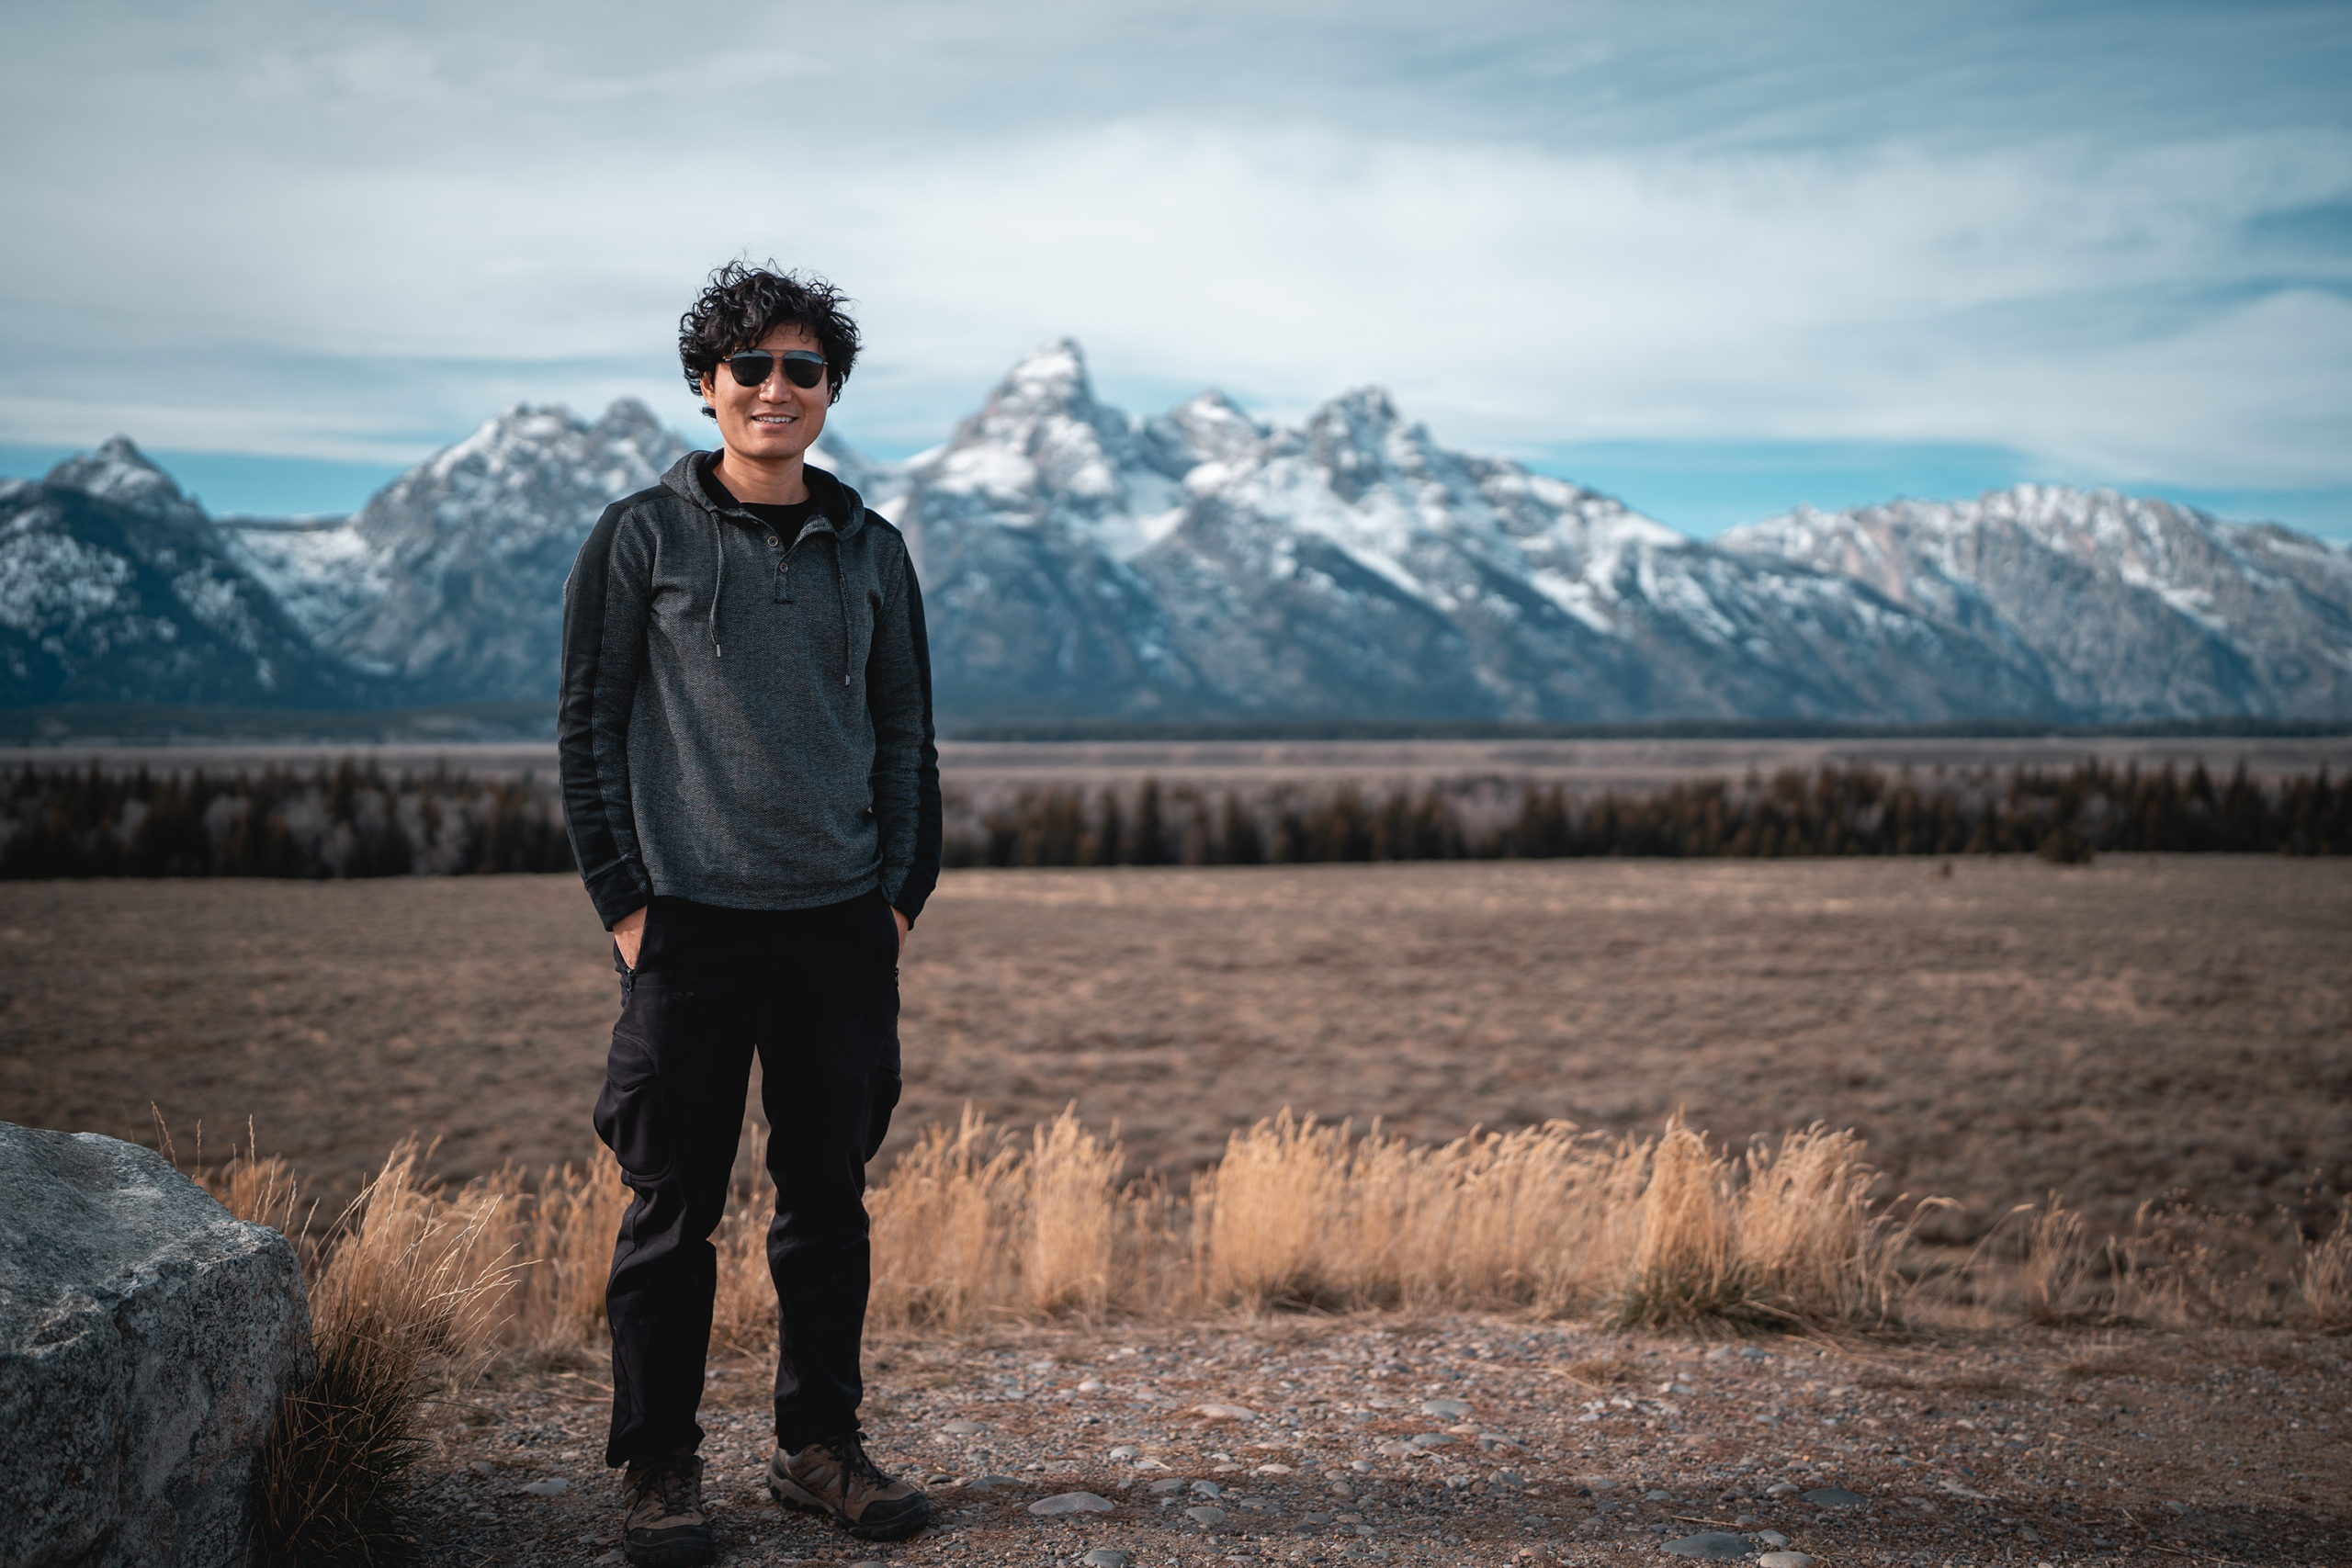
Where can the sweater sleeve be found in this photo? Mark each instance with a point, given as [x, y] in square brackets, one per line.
[905, 780]
[607, 602]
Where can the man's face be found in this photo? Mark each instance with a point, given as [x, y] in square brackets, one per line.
[775, 419]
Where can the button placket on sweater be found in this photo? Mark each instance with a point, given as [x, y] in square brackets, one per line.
[782, 594]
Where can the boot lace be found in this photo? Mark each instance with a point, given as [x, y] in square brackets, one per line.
[674, 1484]
[851, 1449]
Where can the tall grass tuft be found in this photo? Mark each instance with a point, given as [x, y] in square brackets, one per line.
[2323, 1277]
[1301, 1215]
[414, 1284]
[944, 1224]
[2176, 1266]
[1263, 1219]
[2058, 1263]
[1782, 1237]
[564, 1240]
[1687, 1269]
[742, 1314]
[1815, 1245]
[1071, 1210]
[262, 1191]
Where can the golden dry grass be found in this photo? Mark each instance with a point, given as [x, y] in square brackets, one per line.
[2176, 1265]
[2324, 1280]
[944, 1227]
[979, 1222]
[417, 1282]
[414, 1284]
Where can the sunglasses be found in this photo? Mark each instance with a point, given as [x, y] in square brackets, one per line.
[754, 367]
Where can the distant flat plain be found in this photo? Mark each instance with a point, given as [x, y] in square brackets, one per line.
[1584, 765]
[2012, 1027]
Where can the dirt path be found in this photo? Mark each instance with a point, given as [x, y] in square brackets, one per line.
[1469, 1440]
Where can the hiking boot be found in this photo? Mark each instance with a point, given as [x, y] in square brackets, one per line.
[833, 1476]
[666, 1527]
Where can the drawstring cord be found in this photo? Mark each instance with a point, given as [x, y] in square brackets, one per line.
[718, 537]
[841, 591]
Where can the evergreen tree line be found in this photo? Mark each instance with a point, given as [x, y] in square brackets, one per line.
[344, 820]
[2064, 815]
[351, 820]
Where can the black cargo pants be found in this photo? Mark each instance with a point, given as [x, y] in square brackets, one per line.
[815, 992]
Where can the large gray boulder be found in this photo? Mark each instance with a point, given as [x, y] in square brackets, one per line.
[145, 1340]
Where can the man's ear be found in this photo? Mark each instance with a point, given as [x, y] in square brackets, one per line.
[709, 396]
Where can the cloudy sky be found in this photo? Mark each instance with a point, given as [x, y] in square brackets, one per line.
[1718, 258]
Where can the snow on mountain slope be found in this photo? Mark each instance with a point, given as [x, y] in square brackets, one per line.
[1204, 564]
[451, 577]
[2129, 608]
[1022, 527]
[1079, 561]
[121, 473]
[116, 587]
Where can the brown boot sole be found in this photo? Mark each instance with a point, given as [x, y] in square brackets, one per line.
[792, 1494]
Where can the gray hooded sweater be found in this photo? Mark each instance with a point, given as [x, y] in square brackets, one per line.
[746, 718]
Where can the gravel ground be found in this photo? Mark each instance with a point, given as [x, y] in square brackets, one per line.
[1471, 1440]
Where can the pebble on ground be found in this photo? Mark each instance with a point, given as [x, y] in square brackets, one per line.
[1471, 1440]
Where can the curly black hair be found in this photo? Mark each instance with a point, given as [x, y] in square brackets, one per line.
[742, 304]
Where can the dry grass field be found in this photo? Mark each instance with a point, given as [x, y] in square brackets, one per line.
[1998, 1029]
[2007, 1030]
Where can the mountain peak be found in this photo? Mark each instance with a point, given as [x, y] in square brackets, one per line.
[119, 472]
[1040, 425]
[1059, 358]
[1050, 379]
[1372, 405]
[1208, 426]
[1362, 418]
[1349, 436]
[628, 417]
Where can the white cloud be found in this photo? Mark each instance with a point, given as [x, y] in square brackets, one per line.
[333, 240]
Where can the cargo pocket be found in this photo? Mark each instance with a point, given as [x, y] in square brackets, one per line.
[633, 1114]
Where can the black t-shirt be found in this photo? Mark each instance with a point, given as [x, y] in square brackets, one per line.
[784, 522]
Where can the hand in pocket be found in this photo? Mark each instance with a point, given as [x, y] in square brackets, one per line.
[629, 933]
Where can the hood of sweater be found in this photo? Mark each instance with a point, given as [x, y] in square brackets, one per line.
[840, 512]
[839, 505]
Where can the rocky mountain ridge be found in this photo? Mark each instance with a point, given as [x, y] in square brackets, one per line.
[1203, 564]
[448, 581]
[115, 586]
[2128, 607]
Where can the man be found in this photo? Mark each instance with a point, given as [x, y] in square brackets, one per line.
[751, 786]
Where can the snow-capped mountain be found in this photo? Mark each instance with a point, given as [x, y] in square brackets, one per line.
[1079, 562]
[2120, 608]
[449, 580]
[1021, 528]
[1202, 563]
[116, 587]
